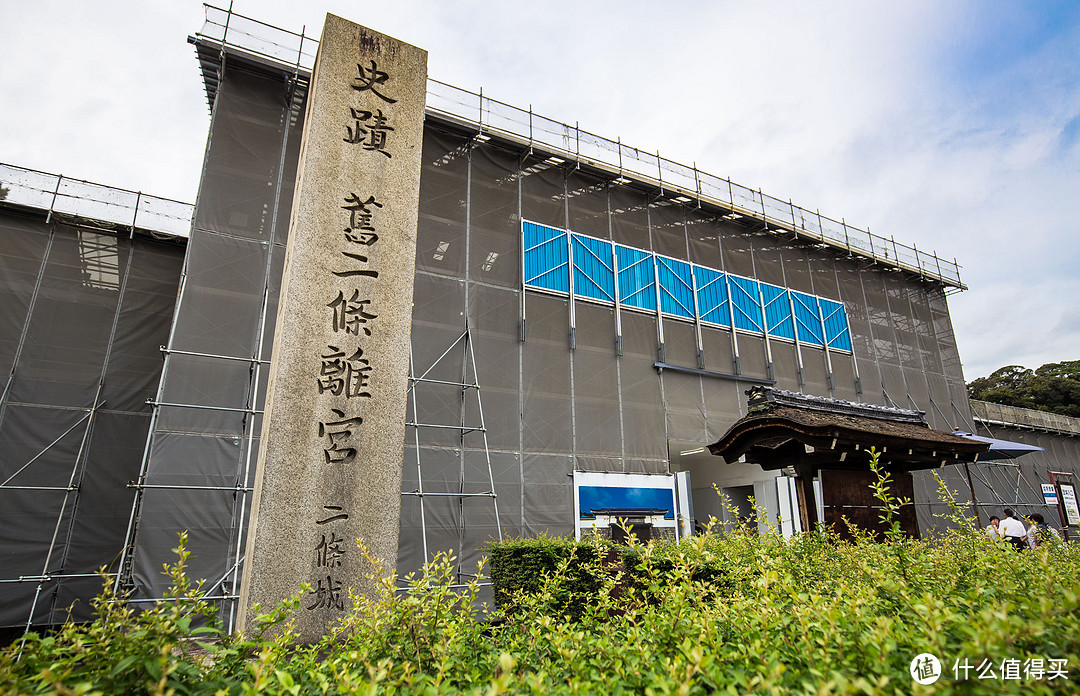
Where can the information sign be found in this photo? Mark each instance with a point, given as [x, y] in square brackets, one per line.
[1068, 501]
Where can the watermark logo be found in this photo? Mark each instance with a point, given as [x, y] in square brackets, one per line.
[925, 668]
[1012, 669]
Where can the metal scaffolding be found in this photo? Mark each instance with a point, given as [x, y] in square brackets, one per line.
[593, 406]
[489, 117]
[468, 387]
[266, 243]
[85, 243]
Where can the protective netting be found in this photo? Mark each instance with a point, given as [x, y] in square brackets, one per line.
[82, 315]
[1007, 483]
[202, 452]
[582, 390]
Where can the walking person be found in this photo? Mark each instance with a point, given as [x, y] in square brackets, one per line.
[1012, 530]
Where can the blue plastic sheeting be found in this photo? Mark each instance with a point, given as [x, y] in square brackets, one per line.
[837, 332]
[545, 257]
[778, 320]
[593, 275]
[807, 320]
[676, 287]
[745, 303]
[712, 296]
[642, 278]
[637, 278]
[620, 498]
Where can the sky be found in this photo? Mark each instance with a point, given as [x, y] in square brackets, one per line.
[953, 125]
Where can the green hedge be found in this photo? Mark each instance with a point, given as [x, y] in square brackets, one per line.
[525, 566]
[730, 614]
[583, 568]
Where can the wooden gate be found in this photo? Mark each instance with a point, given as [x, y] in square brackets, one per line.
[847, 494]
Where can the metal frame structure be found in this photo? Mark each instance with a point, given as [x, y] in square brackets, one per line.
[468, 384]
[225, 588]
[1050, 422]
[95, 206]
[91, 209]
[999, 414]
[996, 420]
[564, 146]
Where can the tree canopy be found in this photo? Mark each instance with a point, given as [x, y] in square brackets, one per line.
[1054, 387]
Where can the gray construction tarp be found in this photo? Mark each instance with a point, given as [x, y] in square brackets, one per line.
[83, 313]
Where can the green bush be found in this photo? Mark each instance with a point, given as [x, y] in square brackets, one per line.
[731, 614]
[581, 569]
[528, 566]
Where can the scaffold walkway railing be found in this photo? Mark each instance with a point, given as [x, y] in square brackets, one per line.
[1015, 416]
[295, 52]
[107, 206]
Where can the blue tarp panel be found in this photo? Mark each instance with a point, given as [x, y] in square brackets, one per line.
[676, 287]
[837, 333]
[546, 264]
[778, 320]
[643, 277]
[712, 296]
[807, 319]
[744, 300]
[593, 275]
[637, 277]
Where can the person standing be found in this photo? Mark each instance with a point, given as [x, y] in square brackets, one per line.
[1039, 531]
[1032, 536]
[994, 530]
[1012, 530]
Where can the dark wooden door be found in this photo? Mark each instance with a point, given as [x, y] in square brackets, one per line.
[847, 494]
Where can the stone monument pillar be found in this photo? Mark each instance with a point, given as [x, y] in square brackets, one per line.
[329, 467]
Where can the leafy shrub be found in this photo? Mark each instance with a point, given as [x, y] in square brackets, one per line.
[122, 650]
[527, 565]
[733, 614]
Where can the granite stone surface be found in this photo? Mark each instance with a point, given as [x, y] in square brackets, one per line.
[329, 469]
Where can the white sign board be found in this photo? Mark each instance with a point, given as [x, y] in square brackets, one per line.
[1050, 494]
[1068, 501]
[602, 491]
